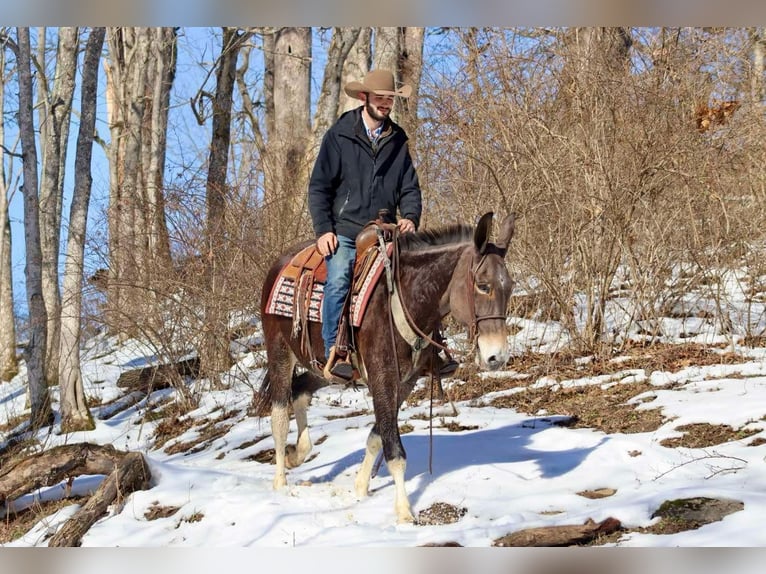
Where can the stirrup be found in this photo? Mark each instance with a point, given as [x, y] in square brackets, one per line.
[338, 367]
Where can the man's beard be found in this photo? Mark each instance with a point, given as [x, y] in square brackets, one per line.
[373, 113]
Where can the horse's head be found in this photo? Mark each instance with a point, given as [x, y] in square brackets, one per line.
[480, 289]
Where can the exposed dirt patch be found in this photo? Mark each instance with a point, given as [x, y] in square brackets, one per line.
[597, 493]
[589, 406]
[454, 426]
[703, 435]
[156, 511]
[209, 430]
[348, 415]
[440, 513]
[691, 513]
[568, 365]
[263, 456]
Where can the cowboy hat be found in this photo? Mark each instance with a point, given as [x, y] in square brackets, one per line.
[379, 82]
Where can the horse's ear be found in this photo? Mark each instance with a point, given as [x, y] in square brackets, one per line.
[507, 228]
[483, 230]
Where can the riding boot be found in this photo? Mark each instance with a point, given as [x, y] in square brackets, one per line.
[448, 365]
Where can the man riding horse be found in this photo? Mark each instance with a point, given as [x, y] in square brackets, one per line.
[363, 166]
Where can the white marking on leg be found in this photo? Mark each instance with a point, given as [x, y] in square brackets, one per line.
[362, 482]
[280, 422]
[402, 503]
[303, 445]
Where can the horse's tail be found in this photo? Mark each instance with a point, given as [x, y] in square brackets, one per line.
[261, 405]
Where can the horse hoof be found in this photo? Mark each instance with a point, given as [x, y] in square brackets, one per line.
[291, 456]
[405, 518]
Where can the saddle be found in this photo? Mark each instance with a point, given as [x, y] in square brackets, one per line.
[298, 290]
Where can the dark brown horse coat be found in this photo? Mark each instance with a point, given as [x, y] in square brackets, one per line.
[457, 271]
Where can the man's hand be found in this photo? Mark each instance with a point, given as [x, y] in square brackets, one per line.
[405, 226]
[327, 243]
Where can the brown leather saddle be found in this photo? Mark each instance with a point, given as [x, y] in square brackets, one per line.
[298, 290]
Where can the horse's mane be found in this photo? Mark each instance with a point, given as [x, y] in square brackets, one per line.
[451, 234]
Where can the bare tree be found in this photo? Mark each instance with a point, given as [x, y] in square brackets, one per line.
[140, 71]
[356, 65]
[41, 413]
[288, 123]
[343, 41]
[758, 41]
[214, 354]
[410, 71]
[75, 415]
[55, 113]
[8, 360]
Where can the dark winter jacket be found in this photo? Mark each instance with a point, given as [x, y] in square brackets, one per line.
[352, 178]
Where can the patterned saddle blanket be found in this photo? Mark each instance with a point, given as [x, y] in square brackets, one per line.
[299, 288]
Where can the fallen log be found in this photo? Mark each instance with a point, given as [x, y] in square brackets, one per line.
[565, 535]
[125, 473]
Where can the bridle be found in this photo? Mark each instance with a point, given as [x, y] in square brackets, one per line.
[474, 327]
[411, 326]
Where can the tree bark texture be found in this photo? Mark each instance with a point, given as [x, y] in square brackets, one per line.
[39, 399]
[342, 42]
[75, 415]
[410, 72]
[8, 361]
[758, 40]
[54, 133]
[565, 535]
[286, 171]
[357, 64]
[140, 72]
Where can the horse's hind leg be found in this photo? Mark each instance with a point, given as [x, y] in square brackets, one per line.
[304, 386]
[362, 482]
[281, 376]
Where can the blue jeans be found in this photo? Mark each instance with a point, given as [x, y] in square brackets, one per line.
[340, 268]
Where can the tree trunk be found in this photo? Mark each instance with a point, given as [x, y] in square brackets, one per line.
[75, 415]
[140, 72]
[386, 57]
[164, 42]
[214, 354]
[343, 41]
[758, 40]
[54, 134]
[8, 362]
[410, 71]
[286, 172]
[41, 413]
[357, 64]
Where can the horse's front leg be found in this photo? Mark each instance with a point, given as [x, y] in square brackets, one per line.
[386, 411]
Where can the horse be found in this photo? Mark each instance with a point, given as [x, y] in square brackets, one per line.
[456, 266]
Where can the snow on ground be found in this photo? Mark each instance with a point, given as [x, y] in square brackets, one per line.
[510, 470]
